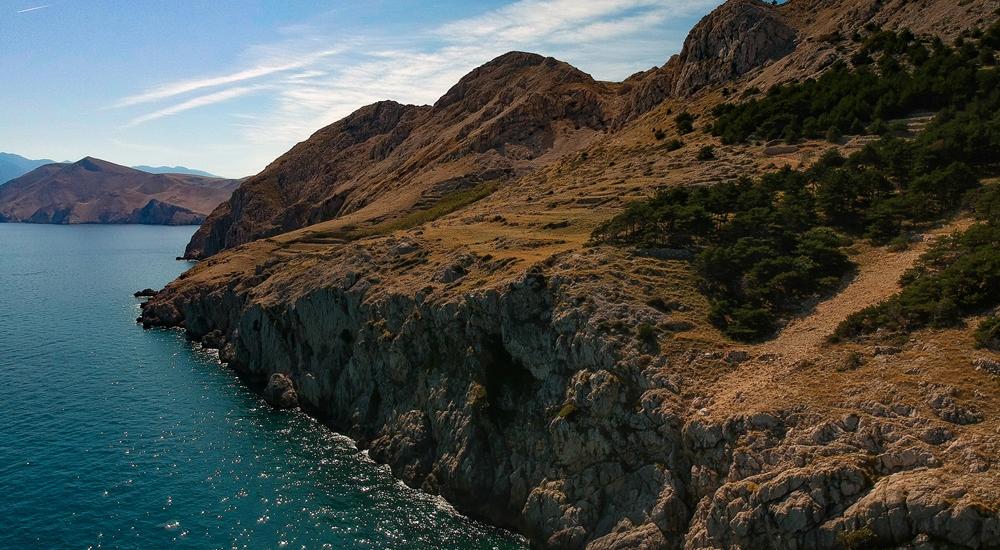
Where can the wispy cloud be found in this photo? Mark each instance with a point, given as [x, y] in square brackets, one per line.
[186, 86]
[26, 10]
[200, 101]
[319, 76]
[610, 33]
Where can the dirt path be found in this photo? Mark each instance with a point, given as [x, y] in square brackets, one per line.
[879, 271]
[877, 279]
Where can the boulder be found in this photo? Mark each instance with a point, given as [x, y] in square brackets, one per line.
[280, 392]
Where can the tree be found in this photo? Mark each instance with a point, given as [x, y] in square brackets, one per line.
[684, 122]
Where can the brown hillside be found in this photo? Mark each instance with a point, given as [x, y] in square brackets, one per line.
[96, 191]
[500, 121]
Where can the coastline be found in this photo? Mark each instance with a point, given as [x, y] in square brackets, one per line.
[516, 402]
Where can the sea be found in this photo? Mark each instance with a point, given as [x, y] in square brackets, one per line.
[116, 437]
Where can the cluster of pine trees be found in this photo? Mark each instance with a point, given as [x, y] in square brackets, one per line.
[763, 247]
[894, 74]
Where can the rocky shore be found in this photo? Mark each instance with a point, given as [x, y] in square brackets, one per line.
[518, 405]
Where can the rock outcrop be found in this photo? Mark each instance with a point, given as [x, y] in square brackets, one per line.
[157, 212]
[280, 392]
[738, 37]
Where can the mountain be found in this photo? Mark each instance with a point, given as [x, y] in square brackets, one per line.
[96, 191]
[174, 170]
[506, 118]
[535, 297]
[14, 166]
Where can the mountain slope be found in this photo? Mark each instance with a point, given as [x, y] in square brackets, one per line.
[14, 166]
[500, 121]
[579, 393]
[97, 191]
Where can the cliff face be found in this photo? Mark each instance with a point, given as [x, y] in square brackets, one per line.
[96, 191]
[577, 393]
[738, 37]
[510, 396]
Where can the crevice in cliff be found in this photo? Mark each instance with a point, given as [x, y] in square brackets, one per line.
[505, 378]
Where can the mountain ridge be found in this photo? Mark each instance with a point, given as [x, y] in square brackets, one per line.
[92, 190]
[741, 37]
[174, 170]
[14, 166]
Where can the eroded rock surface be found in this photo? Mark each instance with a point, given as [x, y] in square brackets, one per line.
[736, 38]
[517, 403]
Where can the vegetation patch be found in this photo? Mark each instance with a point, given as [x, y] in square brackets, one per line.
[959, 276]
[988, 333]
[567, 411]
[894, 74]
[764, 248]
[448, 204]
[858, 539]
[684, 122]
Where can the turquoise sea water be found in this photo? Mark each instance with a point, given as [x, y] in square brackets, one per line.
[114, 437]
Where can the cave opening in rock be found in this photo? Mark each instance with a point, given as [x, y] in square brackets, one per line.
[508, 382]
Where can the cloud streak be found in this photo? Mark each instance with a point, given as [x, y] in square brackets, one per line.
[36, 8]
[200, 101]
[187, 86]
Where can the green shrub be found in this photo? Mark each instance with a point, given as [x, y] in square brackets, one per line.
[646, 333]
[684, 122]
[567, 411]
[706, 153]
[674, 145]
[858, 539]
[988, 333]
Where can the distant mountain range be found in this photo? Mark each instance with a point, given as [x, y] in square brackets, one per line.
[96, 191]
[174, 170]
[14, 166]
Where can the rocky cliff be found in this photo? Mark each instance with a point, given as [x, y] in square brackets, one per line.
[577, 393]
[517, 399]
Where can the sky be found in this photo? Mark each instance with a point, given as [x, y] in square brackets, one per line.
[227, 86]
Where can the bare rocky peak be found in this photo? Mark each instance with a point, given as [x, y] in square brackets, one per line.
[736, 38]
[511, 70]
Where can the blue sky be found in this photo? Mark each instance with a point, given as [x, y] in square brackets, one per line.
[227, 86]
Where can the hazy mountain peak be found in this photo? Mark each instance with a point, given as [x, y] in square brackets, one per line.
[174, 170]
